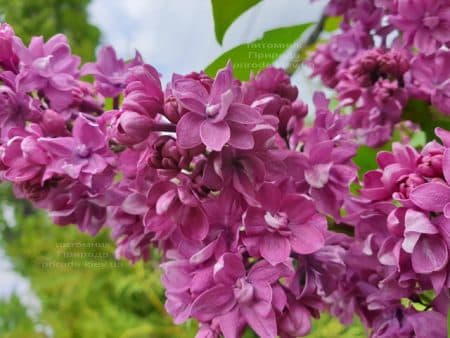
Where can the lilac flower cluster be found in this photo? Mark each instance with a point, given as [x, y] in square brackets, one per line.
[251, 208]
[386, 53]
[398, 265]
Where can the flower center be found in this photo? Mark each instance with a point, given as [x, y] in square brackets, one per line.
[277, 221]
[243, 291]
[83, 151]
[43, 62]
[212, 110]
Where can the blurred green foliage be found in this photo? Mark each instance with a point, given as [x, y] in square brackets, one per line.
[84, 291]
[14, 321]
[49, 17]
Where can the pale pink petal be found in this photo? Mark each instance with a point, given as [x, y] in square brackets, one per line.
[188, 130]
[306, 239]
[275, 248]
[214, 135]
[213, 303]
[430, 254]
[431, 196]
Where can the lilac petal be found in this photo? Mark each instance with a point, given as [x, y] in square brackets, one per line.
[431, 196]
[61, 146]
[254, 221]
[32, 151]
[241, 137]
[264, 326]
[191, 94]
[225, 102]
[64, 82]
[429, 324]
[229, 323]
[176, 275]
[194, 223]
[263, 272]
[438, 279]
[228, 269]
[306, 239]
[88, 133]
[275, 248]
[270, 197]
[96, 164]
[89, 68]
[205, 253]
[326, 200]
[446, 165]
[447, 210]
[243, 114]
[430, 254]
[21, 174]
[213, 303]
[410, 241]
[321, 153]
[317, 176]
[444, 135]
[135, 204]
[389, 252]
[424, 41]
[223, 82]
[416, 221]
[214, 135]
[188, 130]
[299, 208]
[165, 201]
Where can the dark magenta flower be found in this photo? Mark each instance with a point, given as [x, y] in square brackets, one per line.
[424, 23]
[214, 119]
[109, 71]
[48, 66]
[286, 223]
[81, 156]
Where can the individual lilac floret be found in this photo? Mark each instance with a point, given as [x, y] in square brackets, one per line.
[143, 93]
[285, 223]
[214, 119]
[431, 75]
[240, 293]
[81, 156]
[16, 108]
[109, 71]
[425, 24]
[8, 59]
[49, 67]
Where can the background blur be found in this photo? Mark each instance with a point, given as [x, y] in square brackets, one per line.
[57, 282]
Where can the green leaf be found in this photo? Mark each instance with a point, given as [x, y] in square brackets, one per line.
[226, 12]
[332, 23]
[426, 116]
[328, 326]
[366, 159]
[257, 55]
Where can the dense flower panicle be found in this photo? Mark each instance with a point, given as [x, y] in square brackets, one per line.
[245, 198]
[431, 76]
[425, 23]
[386, 58]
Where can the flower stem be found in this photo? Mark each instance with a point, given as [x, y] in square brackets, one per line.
[171, 128]
[312, 38]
